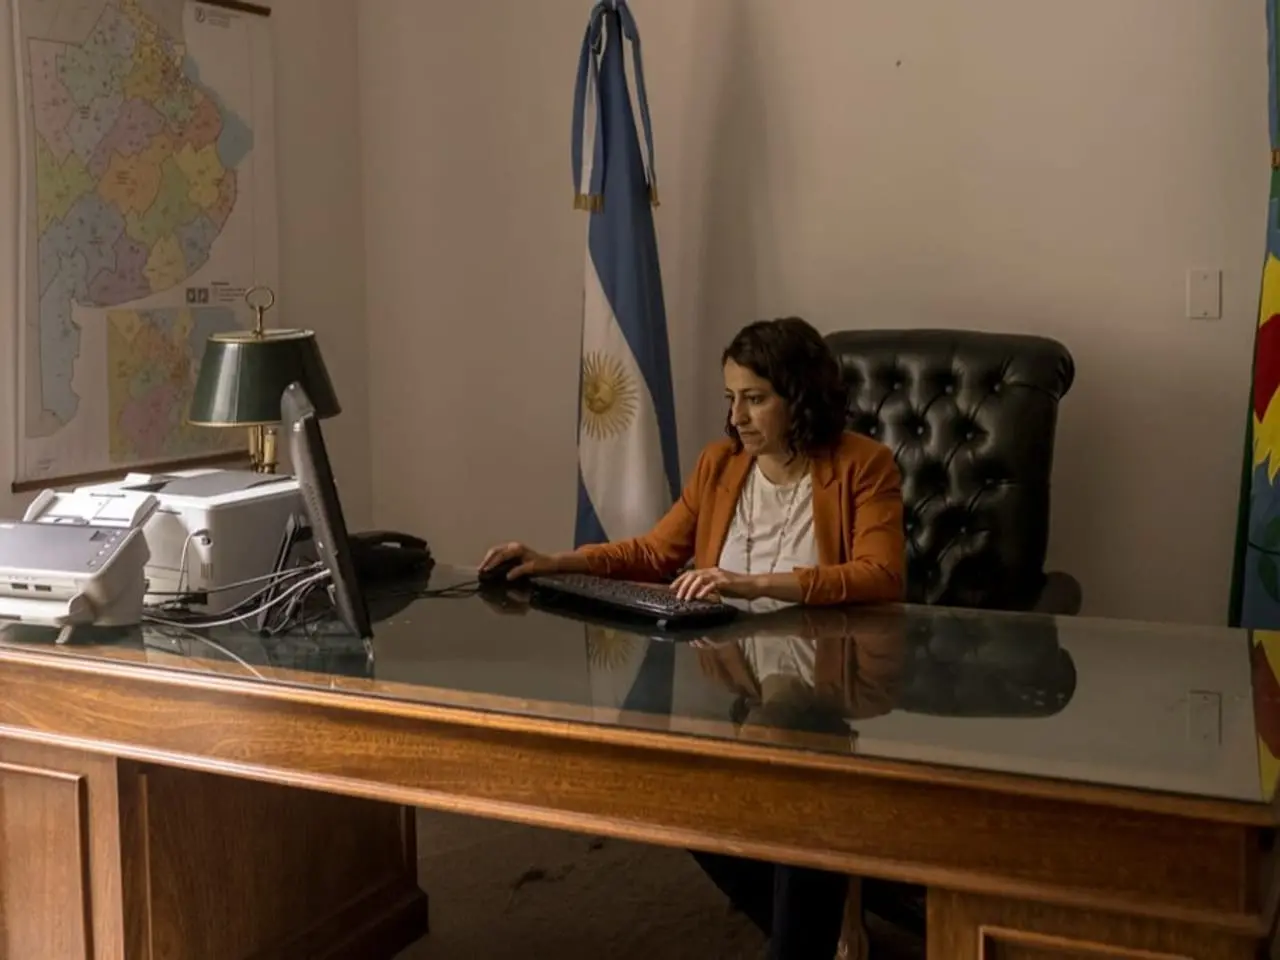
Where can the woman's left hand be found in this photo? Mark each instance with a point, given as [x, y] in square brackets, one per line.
[710, 583]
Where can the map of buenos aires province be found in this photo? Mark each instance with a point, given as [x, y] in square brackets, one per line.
[152, 359]
[135, 163]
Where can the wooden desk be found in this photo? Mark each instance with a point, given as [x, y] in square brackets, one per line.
[164, 799]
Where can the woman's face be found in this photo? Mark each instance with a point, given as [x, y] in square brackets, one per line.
[756, 411]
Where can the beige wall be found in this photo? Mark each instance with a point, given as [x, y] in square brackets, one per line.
[1049, 168]
[321, 237]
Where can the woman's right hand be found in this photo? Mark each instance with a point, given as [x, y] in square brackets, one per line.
[529, 562]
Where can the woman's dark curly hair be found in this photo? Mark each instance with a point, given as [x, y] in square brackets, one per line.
[801, 368]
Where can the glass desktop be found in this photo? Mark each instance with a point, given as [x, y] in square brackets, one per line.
[1155, 707]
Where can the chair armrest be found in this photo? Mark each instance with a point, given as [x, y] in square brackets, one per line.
[1061, 595]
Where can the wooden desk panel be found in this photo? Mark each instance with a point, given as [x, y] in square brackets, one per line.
[51, 803]
[105, 859]
[964, 927]
[1015, 865]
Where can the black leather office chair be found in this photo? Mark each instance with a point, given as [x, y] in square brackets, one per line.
[971, 419]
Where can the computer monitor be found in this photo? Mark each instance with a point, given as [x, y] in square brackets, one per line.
[323, 509]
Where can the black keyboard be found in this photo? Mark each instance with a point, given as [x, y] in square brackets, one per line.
[621, 598]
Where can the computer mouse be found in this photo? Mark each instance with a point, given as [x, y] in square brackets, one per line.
[497, 574]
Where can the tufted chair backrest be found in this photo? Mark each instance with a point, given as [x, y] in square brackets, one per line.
[971, 419]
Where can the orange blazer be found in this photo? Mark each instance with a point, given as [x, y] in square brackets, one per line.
[857, 525]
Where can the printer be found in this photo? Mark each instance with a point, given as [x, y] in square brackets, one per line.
[211, 528]
[75, 561]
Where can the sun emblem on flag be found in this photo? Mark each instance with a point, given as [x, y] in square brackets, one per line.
[608, 649]
[609, 396]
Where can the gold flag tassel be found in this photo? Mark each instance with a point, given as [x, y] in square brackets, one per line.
[653, 195]
[592, 202]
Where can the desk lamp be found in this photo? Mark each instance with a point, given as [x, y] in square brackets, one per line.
[244, 373]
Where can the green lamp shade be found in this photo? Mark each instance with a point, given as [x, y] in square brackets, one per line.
[242, 376]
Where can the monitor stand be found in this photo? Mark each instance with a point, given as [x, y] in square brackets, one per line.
[296, 532]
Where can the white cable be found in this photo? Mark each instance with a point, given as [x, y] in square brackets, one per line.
[229, 653]
[274, 575]
[277, 582]
[228, 621]
[276, 579]
[237, 618]
[295, 604]
[182, 563]
[249, 581]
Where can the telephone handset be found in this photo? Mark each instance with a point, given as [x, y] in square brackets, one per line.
[391, 538]
[388, 555]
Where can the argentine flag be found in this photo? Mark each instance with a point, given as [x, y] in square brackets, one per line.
[628, 467]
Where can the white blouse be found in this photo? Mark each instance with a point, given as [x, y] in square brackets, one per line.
[771, 531]
[779, 519]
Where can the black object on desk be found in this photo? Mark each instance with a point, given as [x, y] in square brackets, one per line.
[323, 508]
[382, 556]
[497, 573]
[621, 598]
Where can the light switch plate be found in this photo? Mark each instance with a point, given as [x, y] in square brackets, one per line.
[1204, 294]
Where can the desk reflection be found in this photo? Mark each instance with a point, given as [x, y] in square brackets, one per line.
[795, 675]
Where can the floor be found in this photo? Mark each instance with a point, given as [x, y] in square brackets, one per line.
[500, 890]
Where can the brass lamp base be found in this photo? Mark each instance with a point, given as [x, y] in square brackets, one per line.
[262, 448]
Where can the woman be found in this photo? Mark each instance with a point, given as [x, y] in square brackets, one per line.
[788, 508]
